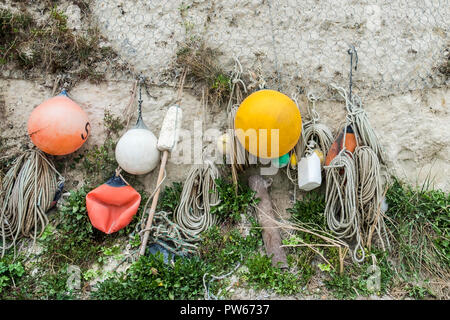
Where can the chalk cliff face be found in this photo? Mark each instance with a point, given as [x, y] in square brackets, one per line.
[399, 43]
[399, 46]
[413, 127]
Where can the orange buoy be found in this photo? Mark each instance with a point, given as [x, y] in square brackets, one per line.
[112, 205]
[336, 147]
[58, 126]
[259, 115]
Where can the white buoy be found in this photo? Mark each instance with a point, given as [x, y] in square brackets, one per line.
[136, 151]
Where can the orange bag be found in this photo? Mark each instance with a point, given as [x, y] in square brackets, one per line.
[336, 147]
[112, 205]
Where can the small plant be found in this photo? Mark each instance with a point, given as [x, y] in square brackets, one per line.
[60, 19]
[224, 249]
[419, 292]
[262, 275]
[202, 66]
[420, 222]
[113, 124]
[150, 278]
[74, 239]
[49, 46]
[341, 286]
[355, 281]
[99, 162]
[324, 267]
[10, 272]
[170, 197]
[232, 205]
[310, 210]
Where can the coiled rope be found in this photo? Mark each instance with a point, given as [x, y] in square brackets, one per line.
[341, 209]
[165, 231]
[369, 194]
[198, 196]
[28, 188]
[353, 187]
[314, 135]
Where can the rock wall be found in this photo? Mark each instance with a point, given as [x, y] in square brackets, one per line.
[413, 127]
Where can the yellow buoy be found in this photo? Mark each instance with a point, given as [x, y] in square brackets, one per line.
[268, 124]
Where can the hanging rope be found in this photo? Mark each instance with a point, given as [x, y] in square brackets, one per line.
[198, 195]
[341, 209]
[369, 194]
[28, 188]
[353, 188]
[357, 115]
[314, 133]
[237, 153]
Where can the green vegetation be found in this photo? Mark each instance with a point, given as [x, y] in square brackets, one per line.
[10, 273]
[170, 197]
[71, 240]
[50, 47]
[224, 249]
[232, 204]
[262, 275]
[202, 66]
[420, 223]
[310, 210]
[356, 279]
[150, 278]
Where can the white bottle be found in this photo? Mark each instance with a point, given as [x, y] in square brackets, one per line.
[309, 173]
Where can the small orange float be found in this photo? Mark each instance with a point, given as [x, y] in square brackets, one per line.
[112, 205]
[58, 126]
[337, 146]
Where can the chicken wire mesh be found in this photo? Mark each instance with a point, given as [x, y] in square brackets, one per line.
[402, 45]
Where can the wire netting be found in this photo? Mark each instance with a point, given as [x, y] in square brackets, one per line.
[402, 45]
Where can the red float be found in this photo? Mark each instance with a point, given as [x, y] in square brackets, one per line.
[112, 205]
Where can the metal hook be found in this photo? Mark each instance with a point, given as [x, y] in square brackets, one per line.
[141, 80]
[352, 51]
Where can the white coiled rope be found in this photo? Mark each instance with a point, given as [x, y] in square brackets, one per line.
[198, 196]
[237, 154]
[369, 194]
[341, 211]
[353, 186]
[28, 189]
